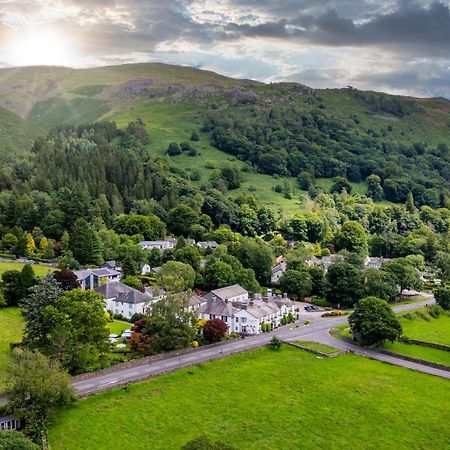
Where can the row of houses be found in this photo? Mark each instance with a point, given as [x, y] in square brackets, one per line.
[326, 261]
[170, 243]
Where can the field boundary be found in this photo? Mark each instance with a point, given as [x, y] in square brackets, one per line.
[317, 352]
[414, 360]
[407, 340]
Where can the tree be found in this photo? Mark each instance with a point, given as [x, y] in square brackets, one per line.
[174, 149]
[36, 388]
[215, 330]
[195, 136]
[410, 206]
[374, 322]
[68, 326]
[442, 296]
[297, 282]
[442, 263]
[176, 276]
[16, 441]
[66, 279]
[344, 284]
[380, 284]
[170, 323]
[16, 284]
[218, 274]
[352, 237]
[189, 255]
[9, 242]
[404, 274]
[31, 245]
[181, 219]
[340, 184]
[374, 189]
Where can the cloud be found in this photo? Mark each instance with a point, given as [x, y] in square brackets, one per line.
[386, 44]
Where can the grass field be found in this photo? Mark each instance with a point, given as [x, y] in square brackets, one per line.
[327, 349]
[267, 400]
[40, 271]
[434, 330]
[418, 351]
[11, 326]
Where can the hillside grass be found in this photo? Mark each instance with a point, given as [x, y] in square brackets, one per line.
[11, 328]
[39, 270]
[266, 399]
[433, 330]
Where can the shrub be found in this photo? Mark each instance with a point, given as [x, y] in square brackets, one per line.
[215, 330]
[195, 344]
[195, 136]
[275, 343]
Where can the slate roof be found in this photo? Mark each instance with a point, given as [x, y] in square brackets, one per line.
[229, 291]
[122, 293]
[217, 308]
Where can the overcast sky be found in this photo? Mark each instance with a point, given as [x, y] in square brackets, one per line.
[397, 46]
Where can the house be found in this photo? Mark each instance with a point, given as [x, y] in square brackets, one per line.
[277, 272]
[111, 265]
[123, 299]
[166, 244]
[145, 268]
[92, 278]
[313, 261]
[10, 423]
[375, 262]
[195, 302]
[242, 315]
[205, 245]
[328, 261]
[234, 293]
[218, 309]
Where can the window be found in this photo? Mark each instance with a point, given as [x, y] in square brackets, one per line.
[224, 318]
[243, 319]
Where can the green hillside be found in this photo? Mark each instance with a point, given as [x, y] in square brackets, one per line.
[174, 100]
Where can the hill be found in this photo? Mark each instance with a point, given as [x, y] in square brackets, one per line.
[373, 132]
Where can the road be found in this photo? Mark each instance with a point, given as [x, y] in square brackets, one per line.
[317, 331]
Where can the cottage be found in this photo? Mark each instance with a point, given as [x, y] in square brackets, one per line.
[111, 265]
[328, 261]
[124, 300]
[145, 268]
[218, 309]
[277, 272]
[234, 293]
[166, 244]
[205, 245]
[374, 262]
[92, 278]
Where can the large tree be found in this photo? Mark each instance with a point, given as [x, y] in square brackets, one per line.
[404, 274]
[352, 237]
[442, 296]
[176, 276]
[374, 322]
[344, 284]
[297, 282]
[36, 387]
[380, 284]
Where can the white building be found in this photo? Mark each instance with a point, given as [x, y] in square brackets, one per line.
[123, 299]
[166, 244]
[242, 315]
[204, 245]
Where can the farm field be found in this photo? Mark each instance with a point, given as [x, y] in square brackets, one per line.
[39, 270]
[434, 330]
[11, 326]
[266, 399]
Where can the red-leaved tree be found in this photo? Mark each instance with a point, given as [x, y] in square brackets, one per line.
[215, 330]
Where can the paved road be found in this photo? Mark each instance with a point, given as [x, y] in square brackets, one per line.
[317, 331]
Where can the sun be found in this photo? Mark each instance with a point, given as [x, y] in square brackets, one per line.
[41, 47]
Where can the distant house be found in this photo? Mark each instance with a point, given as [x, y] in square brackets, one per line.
[92, 278]
[166, 244]
[204, 245]
[218, 309]
[195, 302]
[145, 269]
[234, 293]
[123, 299]
[277, 272]
[375, 262]
[313, 261]
[111, 265]
[328, 261]
[10, 423]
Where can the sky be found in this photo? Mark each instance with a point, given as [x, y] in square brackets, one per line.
[396, 46]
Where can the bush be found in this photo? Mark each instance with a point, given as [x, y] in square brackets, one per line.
[275, 343]
[173, 149]
[195, 136]
[195, 344]
[318, 301]
[120, 317]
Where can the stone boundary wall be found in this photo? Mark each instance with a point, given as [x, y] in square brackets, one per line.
[407, 340]
[317, 352]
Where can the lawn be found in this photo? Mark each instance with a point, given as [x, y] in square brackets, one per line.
[418, 351]
[266, 399]
[327, 349]
[117, 327]
[434, 330]
[38, 269]
[11, 325]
